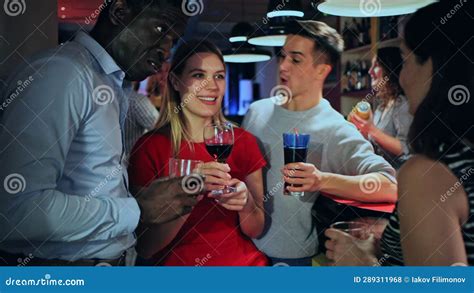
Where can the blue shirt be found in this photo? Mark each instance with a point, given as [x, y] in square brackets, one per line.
[64, 187]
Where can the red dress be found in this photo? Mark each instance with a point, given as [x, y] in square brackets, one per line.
[211, 235]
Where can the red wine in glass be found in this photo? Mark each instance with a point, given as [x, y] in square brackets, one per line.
[219, 140]
[220, 152]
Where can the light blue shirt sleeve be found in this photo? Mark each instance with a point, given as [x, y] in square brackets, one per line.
[350, 154]
[36, 133]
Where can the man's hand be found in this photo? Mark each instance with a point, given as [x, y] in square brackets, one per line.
[345, 250]
[306, 175]
[167, 199]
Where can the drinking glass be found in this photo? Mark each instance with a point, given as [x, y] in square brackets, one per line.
[358, 230]
[295, 147]
[219, 141]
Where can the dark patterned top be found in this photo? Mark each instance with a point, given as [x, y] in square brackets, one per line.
[460, 160]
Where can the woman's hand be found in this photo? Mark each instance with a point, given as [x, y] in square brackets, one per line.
[216, 175]
[365, 126]
[304, 174]
[345, 250]
[234, 201]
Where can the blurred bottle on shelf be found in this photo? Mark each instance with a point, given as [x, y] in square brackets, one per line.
[356, 33]
[366, 35]
[393, 27]
[388, 28]
[356, 76]
[345, 78]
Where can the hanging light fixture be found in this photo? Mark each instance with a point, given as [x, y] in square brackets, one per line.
[241, 51]
[371, 8]
[278, 14]
[285, 8]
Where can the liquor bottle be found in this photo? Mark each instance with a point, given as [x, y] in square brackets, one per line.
[354, 32]
[346, 35]
[366, 31]
[360, 34]
[362, 109]
[345, 79]
[365, 75]
[393, 27]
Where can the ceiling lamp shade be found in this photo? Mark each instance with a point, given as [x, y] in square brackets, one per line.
[246, 55]
[240, 32]
[241, 51]
[278, 14]
[271, 37]
[371, 8]
[278, 8]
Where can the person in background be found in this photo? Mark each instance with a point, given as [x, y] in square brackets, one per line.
[433, 224]
[339, 158]
[387, 128]
[65, 198]
[156, 85]
[141, 117]
[219, 227]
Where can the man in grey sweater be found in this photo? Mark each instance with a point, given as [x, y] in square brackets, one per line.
[340, 160]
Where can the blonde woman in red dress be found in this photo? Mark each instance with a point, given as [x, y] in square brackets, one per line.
[218, 230]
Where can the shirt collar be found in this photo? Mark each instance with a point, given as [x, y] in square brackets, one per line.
[101, 55]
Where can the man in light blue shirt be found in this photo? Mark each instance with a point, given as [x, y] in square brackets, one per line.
[64, 195]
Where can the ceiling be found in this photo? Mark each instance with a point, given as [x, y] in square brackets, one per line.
[214, 23]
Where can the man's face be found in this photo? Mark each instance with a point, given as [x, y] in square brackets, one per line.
[145, 44]
[298, 67]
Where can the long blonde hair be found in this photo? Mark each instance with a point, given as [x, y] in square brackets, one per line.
[172, 120]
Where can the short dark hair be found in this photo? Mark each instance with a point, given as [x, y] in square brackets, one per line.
[326, 39]
[440, 119]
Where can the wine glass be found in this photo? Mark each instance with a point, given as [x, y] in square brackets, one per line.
[219, 140]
